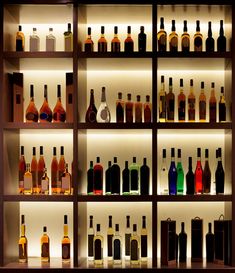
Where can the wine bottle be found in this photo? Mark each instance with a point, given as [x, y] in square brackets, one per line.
[61, 165]
[129, 109]
[28, 180]
[134, 177]
[138, 110]
[172, 175]
[89, 45]
[212, 104]
[45, 183]
[66, 185]
[162, 101]
[202, 104]
[45, 246]
[31, 111]
[197, 38]
[144, 240]
[34, 170]
[181, 103]
[182, 245]
[210, 245]
[161, 37]
[90, 239]
[91, 111]
[108, 179]
[173, 38]
[147, 110]
[22, 169]
[110, 234]
[59, 114]
[120, 104]
[102, 42]
[66, 242]
[129, 43]
[103, 114]
[142, 37]
[41, 167]
[20, 39]
[210, 43]
[219, 174]
[164, 174]
[50, 41]
[117, 246]
[23, 243]
[55, 183]
[144, 178]
[134, 247]
[180, 175]
[98, 177]
[222, 106]
[68, 39]
[206, 178]
[115, 44]
[34, 41]
[170, 103]
[127, 238]
[185, 39]
[90, 179]
[198, 173]
[45, 110]
[115, 177]
[126, 180]
[191, 103]
[98, 247]
[221, 41]
[190, 188]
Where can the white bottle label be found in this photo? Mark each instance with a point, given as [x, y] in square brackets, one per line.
[65, 183]
[27, 183]
[44, 185]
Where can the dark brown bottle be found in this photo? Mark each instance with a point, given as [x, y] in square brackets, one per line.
[210, 43]
[161, 37]
[210, 245]
[190, 188]
[182, 245]
[120, 109]
[142, 40]
[221, 41]
[198, 38]
[91, 111]
[89, 45]
[147, 110]
[129, 43]
[129, 109]
[173, 38]
[115, 44]
[206, 177]
[185, 39]
[102, 42]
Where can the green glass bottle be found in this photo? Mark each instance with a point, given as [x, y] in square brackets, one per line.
[134, 177]
[180, 174]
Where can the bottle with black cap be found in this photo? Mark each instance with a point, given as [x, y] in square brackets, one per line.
[181, 103]
[173, 38]
[98, 247]
[172, 175]
[129, 43]
[135, 247]
[108, 179]
[210, 245]
[23, 243]
[115, 44]
[134, 177]
[115, 177]
[202, 104]
[126, 180]
[219, 174]
[66, 242]
[98, 177]
[142, 37]
[144, 240]
[210, 42]
[182, 244]
[161, 37]
[144, 178]
[102, 42]
[45, 246]
[89, 45]
[190, 188]
[198, 173]
[117, 246]
[90, 239]
[185, 39]
[206, 179]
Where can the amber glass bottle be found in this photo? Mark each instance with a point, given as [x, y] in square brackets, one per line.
[147, 110]
[22, 169]
[34, 170]
[89, 45]
[129, 109]
[129, 43]
[102, 42]
[41, 167]
[59, 114]
[55, 184]
[91, 111]
[20, 40]
[115, 44]
[31, 111]
[138, 110]
[45, 111]
[120, 109]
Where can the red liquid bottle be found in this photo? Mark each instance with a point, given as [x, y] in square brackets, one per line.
[198, 173]
[98, 177]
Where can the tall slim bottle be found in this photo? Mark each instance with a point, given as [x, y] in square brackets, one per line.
[142, 37]
[170, 102]
[90, 179]
[89, 44]
[23, 243]
[91, 112]
[164, 175]
[120, 105]
[90, 239]
[182, 245]
[181, 103]
[191, 103]
[134, 177]
[127, 238]
[210, 245]
[161, 37]
[180, 174]
[68, 39]
[66, 242]
[219, 174]
[172, 175]
[117, 246]
[206, 178]
[198, 173]
[185, 39]
[45, 111]
[103, 114]
[102, 42]
[55, 186]
[28, 180]
[115, 177]
[144, 240]
[20, 39]
[134, 247]
[222, 106]
[45, 246]
[144, 178]
[126, 180]
[212, 104]
[41, 167]
[115, 44]
[22, 169]
[66, 182]
[147, 110]
[210, 42]
[162, 101]
[98, 177]
[221, 41]
[190, 186]
[31, 111]
[110, 233]
[138, 110]
[173, 38]
[98, 247]
[202, 104]
[59, 114]
[61, 165]
[34, 170]
[198, 38]
[108, 179]
[129, 43]
[129, 109]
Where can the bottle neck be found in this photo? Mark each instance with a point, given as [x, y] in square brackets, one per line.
[144, 223]
[92, 100]
[191, 90]
[163, 87]
[103, 97]
[91, 223]
[22, 230]
[66, 230]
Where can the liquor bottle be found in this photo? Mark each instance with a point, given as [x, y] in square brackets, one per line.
[197, 38]
[23, 243]
[117, 246]
[182, 245]
[115, 177]
[212, 104]
[129, 43]
[45, 182]
[110, 233]
[221, 41]
[126, 180]
[22, 169]
[34, 41]
[162, 101]
[45, 246]
[206, 178]
[170, 102]
[50, 41]
[198, 173]
[173, 38]
[103, 114]
[66, 242]
[115, 44]
[202, 104]
[134, 247]
[34, 170]
[61, 165]
[108, 179]
[98, 177]
[90, 179]
[147, 110]
[89, 45]
[219, 174]
[172, 175]
[41, 167]
[28, 180]
[91, 111]
[129, 109]
[210, 43]
[181, 103]
[191, 103]
[120, 104]
[138, 110]
[164, 174]
[144, 240]
[102, 42]
[210, 245]
[55, 183]
[31, 111]
[98, 247]
[185, 39]
[222, 106]
[90, 240]
[20, 40]
[59, 114]
[190, 187]
[180, 175]
[127, 238]
[142, 37]
[45, 110]
[134, 177]
[161, 36]
[144, 178]
[68, 39]
[66, 185]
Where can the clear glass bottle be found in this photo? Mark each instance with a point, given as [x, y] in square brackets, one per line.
[134, 247]
[89, 44]
[162, 102]
[59, 114]
[22, 169]
[202, 104]
[185, 39]
[23, 243]
[115, 44]
[164, 175]
[45, 183]
[102, 42]
[170, 102]
[90, 239]
[127, 238]
[161, 36]
[103, 114]
[191, 103]
[180, 175]
[212, 104]
[222, 106]
[31, 111]
[173, 38]
[45, 111]
[68, 39]
[45, 246]
[34, 41]
[134, 177]
[198, 38]
[28, 180]
[50, 41]
[20, 40]
[138, 110]
[98, 247]
[66, 242]
[66, 182]
[144, 240]
[117, 246]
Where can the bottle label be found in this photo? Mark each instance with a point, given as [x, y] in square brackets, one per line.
[144, 246]
[98, 255]
[27, 183]
[110, 245]
[90, 245]
[212, 111]
[202, 110]
[104, 114]
[134, 180]
[162, 40]
[65, 183]
[191, 109]
[46, 117]
[181, 110]
[45, 250]
[127, 244]
[66, 251]
[134, 250]
[174, 44]
[23, 251]
[50, 44]
[117, 250]
[32, 117]
[34, 44]
[162, 107]
[68, 43]
[45, 186]
[147, 114]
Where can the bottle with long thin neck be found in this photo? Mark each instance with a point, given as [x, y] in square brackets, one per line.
[103, 114]
[219, 174]
[89, 45]
[172, 175]
[182, 245]
[66, 242]
[212, 104]
[191, 103]
[202, 104]
[41, 167]
[90, 179]
[181, 103]
[161, 37]
[206, 179]
[221, 41]
[126, 180]
[180, 174]
[190, 186]
[117, 246]
[170, 102]
[210, 245]
[45, 110]
[108, 179]
[22, 169]
[59, 114]
[164, 175]
[23, 243]
[90, 239]
[210, 43]
[144, 240]
[61, 165]
[31, 111]
[222, 106]
[198, 173]
[115, 44]
[55, 186]
[162, 101]
[127, 238]
[91, 112]
[110, 233]
[34, 170]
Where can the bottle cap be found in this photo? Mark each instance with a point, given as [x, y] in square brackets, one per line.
[102, 29]
[41, 150]
[115, 159]
[54, 151]
[98, 227]
[147, 98]
[97, 159]
[134, 227]
[31, 91]
[170, 81]
[212, 85]
[22, 219]
[172, 152]
[65, 219]
[129, 29]
[34, 29]
[134, 159]
[142, 28]
[206, 153]
[58, 90]
[20, 28]
[115, 30]
[179, 153]
[117, 227]
[164, 153]
[89, 30]
[162, 79]
[91, 164]
[129, 96]
[145, 161]
[191, 82]
[50, 29]
[198, 152]
[202, 85]
[22, 150]
[34, 151]
[61, 150]
[138, 98]
[44, 229]
[181, 82]
[119, 95]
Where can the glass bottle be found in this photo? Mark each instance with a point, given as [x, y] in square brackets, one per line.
[102, 42]
[202, 104]
[129, 43]
[108, 179]
[20, 39]
[170, 103]
[34, 170]
[103, 114]
[21, 169]
[117, 246]
[161, 37]
[147, 110]
[115, 44]
[164, 175]
[182, 245]
[55, 183]
[45, 246]
[210, 43]
[190, 187]
[115, 177]
[41, 167]
[144, 178]
[45, 110]
[66, 180]
[134, 247]
[90, 240]
[222, 106]
[31, 111]
[181, 103]
[127, 238]
[206, 178]
[180, 175]
[120, 104]
[91, 111]
[134, 177]
[126, 180]
[66, 242]
[210, 245]
[212, 104]
[173, 38]
[50, 41]
[45, 182]
[142, 37]
[191, 103]
[98, 247]
[90, 179]
[129, 109]
[198, 173]
[89, 45]
[185, 39]
[61, 165]
[98, 177]
[110, 234]
[144, 240]
[221, 41]
[162, 102]
[59, 114]
[68, 39]
[138, 110]
[34, 41]
[198, 38]
[28, 180]
[23, 243]
[219, 174]
[172, 175]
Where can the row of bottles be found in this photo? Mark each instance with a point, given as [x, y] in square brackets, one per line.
[44, 243]
[33, 177]
[45, 113]
[172, 181]
[135, 247]
[135, 179]
[34, 40]
[167, 103]
[173, 38]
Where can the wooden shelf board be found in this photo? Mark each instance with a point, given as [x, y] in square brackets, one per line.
[39, 54]
[24, 125]
[38, 198]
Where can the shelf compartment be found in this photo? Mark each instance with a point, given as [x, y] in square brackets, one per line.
[195, 125]
[192, 54]
[42, 54]
[38, 198]
[115, 126]
[115, 198]
[194, 198]
[41, 126]
[116, 55]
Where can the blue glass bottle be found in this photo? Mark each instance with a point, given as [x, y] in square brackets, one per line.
[172, 174]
